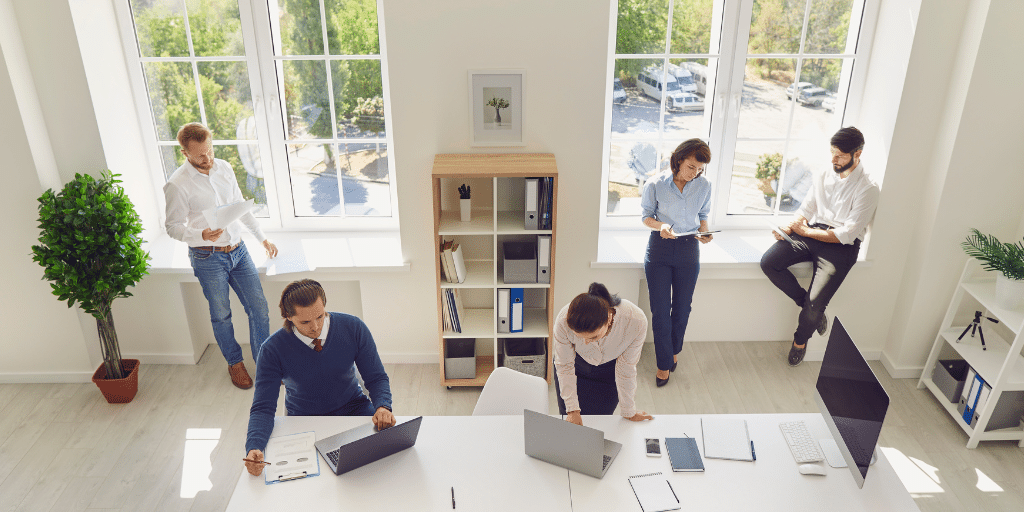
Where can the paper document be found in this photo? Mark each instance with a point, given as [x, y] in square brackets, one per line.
[220, 216]
[726, 438]
[291, 258]
[291, 457]
[688, 233]
[776, 228]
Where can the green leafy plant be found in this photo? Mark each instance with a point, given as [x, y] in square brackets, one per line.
[90, 249]
[994, 255]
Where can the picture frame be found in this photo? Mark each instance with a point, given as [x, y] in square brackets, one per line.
[496, 106]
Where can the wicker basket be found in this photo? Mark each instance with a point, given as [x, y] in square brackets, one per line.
[526, 355]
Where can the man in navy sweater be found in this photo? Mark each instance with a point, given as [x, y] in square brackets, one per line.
[315, 356]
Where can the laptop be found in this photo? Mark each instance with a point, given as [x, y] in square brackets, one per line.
[556, 441]
[362, 445]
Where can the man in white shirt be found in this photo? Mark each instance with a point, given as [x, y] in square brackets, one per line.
[219, 258]
[827, 232]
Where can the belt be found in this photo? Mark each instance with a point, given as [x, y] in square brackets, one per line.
[216, 248]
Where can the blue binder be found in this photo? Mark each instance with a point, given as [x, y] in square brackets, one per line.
[515, 313]
[972, 398]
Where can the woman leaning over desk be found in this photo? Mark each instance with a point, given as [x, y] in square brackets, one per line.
[676, 202]
[598, 338]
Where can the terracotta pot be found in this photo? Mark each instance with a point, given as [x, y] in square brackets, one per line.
[119, 391]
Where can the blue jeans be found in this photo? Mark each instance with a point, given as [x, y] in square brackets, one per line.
[217, 271]
[671, 267]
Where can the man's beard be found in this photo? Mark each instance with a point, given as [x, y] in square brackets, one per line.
[840, 170]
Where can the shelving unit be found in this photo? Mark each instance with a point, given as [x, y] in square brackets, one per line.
[1000, 364]
[497, 182]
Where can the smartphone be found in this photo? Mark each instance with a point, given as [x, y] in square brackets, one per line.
[653, 447]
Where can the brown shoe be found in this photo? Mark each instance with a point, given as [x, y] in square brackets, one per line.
[239, 377]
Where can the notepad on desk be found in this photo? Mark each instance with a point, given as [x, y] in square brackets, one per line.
[683, 454]
[292, 457]
[726, 438]
[654, 492]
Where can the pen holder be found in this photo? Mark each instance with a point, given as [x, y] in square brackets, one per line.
[464, 210]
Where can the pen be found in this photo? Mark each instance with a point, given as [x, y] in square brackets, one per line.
[673, 490]
[753, 454]
[453, 498]
[257, 461]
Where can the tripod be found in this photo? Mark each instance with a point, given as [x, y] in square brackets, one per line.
[976, 327]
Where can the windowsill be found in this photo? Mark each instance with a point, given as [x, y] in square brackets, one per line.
[326, 251]
[733, 254]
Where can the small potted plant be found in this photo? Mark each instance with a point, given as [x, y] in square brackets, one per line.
[1005, 258]
[91, 252]
[464, 208]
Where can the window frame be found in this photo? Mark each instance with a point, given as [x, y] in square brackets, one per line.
[268, 111]
[723, 123]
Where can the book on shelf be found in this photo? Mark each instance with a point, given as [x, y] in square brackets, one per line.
[545, 199]
[452, 312]
[452, 262]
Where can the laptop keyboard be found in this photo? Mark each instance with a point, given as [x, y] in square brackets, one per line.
[334, 456]
[604, 464]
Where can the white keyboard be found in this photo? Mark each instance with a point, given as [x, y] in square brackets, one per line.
[804, 447]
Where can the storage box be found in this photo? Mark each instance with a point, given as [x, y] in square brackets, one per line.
[949, 376]
[1006, 413]
[526, 355]
[460, 358]
[520, 262]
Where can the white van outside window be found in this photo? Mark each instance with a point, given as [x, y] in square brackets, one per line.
[650, 82]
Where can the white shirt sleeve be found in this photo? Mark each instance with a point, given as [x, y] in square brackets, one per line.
[861, 213]
[625, 364]
[565, 363]
[248, 219]
[176, 214]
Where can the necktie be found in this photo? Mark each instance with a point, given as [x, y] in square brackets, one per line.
[317, 345]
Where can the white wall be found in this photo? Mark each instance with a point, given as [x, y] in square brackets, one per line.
[432, 46]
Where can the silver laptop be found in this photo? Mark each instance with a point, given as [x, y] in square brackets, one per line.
[362, 445]
[556, 441]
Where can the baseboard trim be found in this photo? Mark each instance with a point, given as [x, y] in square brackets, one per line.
[901, 372]
[163, 358]
[425, 358]
[46, 378]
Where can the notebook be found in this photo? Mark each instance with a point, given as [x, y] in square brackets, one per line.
[683, 454]
[654, 492]
[726, 438]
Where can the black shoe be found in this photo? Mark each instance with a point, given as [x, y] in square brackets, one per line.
[796, 355]
[660, 382]
[823, 324]
[674, 364]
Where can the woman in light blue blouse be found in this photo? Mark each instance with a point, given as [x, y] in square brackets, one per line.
[675, 202]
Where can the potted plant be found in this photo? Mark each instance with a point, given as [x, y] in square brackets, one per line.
[464, 203]
[767, 174]
[90, 249]
[1005, 258]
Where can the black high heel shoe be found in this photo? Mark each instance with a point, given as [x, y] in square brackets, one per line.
[660, 382]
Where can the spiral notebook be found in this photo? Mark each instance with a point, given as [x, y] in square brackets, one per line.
[683, 454]
[654, 492]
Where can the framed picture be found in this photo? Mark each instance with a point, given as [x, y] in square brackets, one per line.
[496, 107]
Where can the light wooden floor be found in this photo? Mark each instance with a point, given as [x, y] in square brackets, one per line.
[63, 448]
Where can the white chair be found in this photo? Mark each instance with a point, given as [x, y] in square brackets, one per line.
[508, 392]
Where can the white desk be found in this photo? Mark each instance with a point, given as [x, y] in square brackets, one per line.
[772, 483]
[483, 458]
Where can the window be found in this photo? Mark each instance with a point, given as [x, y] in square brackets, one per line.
[729, 67]
[293, 91]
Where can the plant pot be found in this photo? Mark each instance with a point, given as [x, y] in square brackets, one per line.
[118, 391]
[464, 209]
[1009, 292]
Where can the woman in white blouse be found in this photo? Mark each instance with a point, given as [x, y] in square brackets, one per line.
[598, 338]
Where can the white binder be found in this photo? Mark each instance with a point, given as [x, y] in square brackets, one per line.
[530, 217]
[503, 309]
[544, 259]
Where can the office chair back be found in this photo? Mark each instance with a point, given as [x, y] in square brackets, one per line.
[508, 392]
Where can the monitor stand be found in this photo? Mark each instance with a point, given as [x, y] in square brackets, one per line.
[835, 457]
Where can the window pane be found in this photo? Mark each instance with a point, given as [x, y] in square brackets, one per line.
[171, 158]
[691, 26]
[160, 26]
[306, 102]
[641, 26]
[775, 26]
[352, 27]
[365, 180]
[630, 164]
[172, 96]
[828, 27]
[637, 115]
[359, 98]
[765, 107]
[810, 119]
[314, 177]
[684, 115]
[244, 160]
[755, 166]
[297, 29]
[215, 27]
[227, 99]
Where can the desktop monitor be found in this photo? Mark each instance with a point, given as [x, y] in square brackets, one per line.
[851, 400]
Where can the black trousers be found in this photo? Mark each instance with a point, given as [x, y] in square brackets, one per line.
[831, 263]
[595, 388]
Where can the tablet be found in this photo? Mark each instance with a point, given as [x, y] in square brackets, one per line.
[696, 232]
[778, 229]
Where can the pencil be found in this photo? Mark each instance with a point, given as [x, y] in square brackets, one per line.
[256, 461]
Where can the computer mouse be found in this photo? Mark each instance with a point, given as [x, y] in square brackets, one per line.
[812, 469]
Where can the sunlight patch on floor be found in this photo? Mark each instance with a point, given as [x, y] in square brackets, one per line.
[986, 484]
[197, 465]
